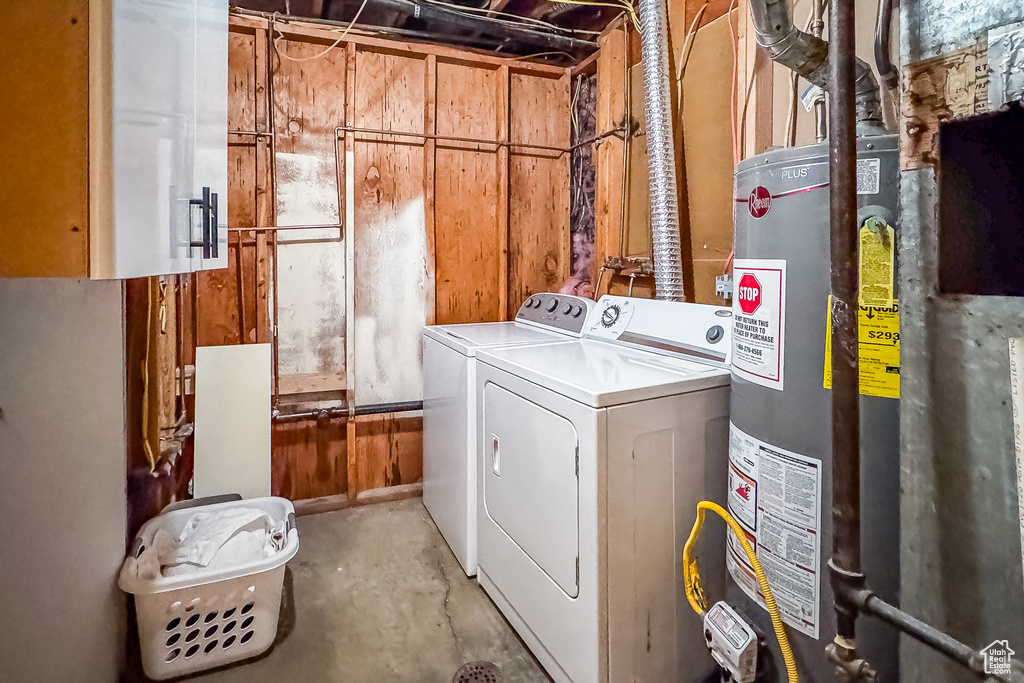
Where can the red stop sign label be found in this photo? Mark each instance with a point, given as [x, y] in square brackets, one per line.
[759, 203]
[749, 293]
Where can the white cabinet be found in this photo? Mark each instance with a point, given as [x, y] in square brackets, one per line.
[169, 139]
[211, 117]
[116, 174]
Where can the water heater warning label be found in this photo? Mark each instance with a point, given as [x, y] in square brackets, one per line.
[775, 495]
[759, 321]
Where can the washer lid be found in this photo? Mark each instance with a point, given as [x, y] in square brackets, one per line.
[466, 339]
[600, 374]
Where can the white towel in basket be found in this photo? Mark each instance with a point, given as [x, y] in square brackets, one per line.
[212, 539]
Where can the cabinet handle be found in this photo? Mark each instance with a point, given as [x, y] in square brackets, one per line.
[206, 222]
[204, 204]
[214, 230]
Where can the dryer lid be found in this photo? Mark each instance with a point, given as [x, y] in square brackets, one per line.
[599, 374]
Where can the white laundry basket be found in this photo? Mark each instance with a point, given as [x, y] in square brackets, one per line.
[210, 617]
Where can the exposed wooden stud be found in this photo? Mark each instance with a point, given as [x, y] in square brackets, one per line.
[350, 263]
[503, 111]
[266, 205]
[587, 66]
[563, 200]
[608, 156]
[429, 167]
[263, 331]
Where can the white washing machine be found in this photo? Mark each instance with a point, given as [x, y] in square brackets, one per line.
[595, 453]
[449, 406]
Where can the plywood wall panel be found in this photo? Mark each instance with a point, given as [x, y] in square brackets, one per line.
[308, 105]
[467, 197]
[227, 297]
[609, 152]
[538, 243]
[389, 450]
[310, 459]
[708, 158]
[390, 229]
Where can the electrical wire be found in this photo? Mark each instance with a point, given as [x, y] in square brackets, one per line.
[732, 86]
[574, 135]
[688, 45]
[622, 4]
[280, 52]
[540, 54]
[511, 18]
[695, 592]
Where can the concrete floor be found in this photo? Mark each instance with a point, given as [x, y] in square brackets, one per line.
[377, 596]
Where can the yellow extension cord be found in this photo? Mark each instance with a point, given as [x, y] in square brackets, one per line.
[695, 593]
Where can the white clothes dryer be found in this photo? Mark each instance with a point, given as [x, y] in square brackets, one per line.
[449, 406]
[595, 454]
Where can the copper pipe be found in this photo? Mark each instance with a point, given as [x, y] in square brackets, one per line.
[845, 564]
[453, 138]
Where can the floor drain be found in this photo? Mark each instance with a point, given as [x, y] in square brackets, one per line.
[478, 672]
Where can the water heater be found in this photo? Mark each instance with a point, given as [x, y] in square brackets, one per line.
[780, 469]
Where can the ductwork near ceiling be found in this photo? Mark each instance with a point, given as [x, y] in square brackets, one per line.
[661, 158]
[808, 56]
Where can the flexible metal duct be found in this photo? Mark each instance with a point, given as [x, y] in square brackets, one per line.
[808, 56]
[661, 158]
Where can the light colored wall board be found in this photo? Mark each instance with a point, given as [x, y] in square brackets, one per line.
[232, 438]
[62, 492]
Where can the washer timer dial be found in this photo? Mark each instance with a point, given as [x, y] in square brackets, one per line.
[610, 315]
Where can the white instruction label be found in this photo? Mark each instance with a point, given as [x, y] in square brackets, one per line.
[813, 94]
[784, 527]
[759, 321]
[869, 172]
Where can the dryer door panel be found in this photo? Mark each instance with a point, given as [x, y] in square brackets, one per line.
[531, 488]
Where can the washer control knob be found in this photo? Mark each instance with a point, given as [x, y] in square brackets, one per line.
[715, 334]
[610, 315]
[578, 312]
[552, 305]
[567, 310]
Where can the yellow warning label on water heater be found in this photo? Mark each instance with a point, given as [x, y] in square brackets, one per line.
[878, 357]
[875, 265]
